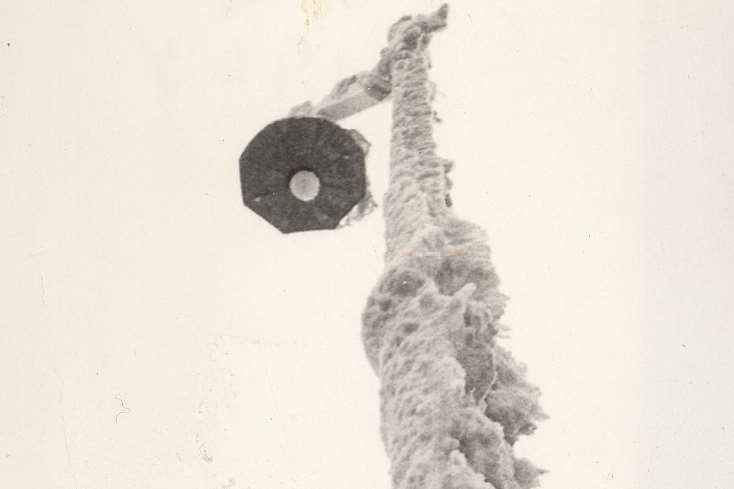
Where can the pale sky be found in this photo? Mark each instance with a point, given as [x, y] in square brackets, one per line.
[154, 333]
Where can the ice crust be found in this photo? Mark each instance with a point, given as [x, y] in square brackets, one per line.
[452, 401]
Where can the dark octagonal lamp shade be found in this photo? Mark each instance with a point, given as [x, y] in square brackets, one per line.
[302, 174]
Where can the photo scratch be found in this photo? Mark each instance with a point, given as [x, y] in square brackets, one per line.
[313, 9]
[43, 290]
[125, 409]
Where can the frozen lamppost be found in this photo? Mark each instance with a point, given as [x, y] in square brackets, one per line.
[453, 402]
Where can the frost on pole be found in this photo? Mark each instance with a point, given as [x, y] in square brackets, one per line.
[453, 402]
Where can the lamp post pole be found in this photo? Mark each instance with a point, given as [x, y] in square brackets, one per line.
[453, 402]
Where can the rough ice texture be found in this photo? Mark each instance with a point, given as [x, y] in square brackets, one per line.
[453, 402]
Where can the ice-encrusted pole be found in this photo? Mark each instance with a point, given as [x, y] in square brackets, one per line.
[452, 401]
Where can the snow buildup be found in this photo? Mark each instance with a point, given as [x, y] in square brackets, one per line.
[452, 401]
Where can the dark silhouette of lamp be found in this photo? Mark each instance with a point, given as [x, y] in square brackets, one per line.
[303, 173]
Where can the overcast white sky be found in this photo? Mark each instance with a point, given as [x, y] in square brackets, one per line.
[154, 333]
